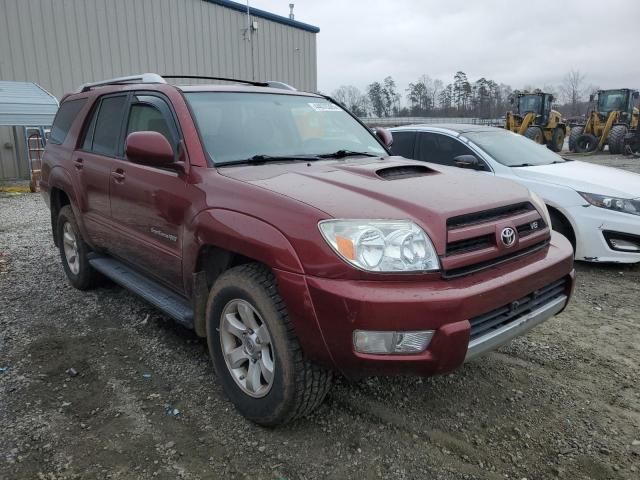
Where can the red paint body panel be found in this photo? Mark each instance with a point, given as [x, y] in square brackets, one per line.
[159, 220]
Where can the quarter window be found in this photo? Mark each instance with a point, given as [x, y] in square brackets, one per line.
[64, 119]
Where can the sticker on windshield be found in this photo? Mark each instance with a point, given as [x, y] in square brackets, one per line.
[325, 107]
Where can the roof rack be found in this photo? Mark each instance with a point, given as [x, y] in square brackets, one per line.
[155, 78]
[268, 83]
[140, 78]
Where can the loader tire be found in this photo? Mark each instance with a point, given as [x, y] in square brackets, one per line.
[586, 143]
[557, 140]
[573, 136]
[535, 134]
[615, 139]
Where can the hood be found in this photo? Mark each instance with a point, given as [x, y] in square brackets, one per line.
[585, 177]
[384, 188]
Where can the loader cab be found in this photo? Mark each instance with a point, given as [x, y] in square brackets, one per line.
[621, 100]
[538, 103]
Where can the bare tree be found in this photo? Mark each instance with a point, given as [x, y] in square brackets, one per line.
[572, 89]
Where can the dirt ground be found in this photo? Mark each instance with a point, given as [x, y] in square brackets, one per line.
[142, 400]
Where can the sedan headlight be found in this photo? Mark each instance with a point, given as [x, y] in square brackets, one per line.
[625, 205]
[381, 245]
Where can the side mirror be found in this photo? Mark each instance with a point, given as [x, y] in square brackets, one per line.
[149, 148]
[384, 136]
[469, 161]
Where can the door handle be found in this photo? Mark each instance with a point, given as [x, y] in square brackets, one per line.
[118, 175]
[78, 163]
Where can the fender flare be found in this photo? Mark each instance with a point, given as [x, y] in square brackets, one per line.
[241, 234]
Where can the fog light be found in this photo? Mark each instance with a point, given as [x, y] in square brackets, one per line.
[366, 341]
[624, 245]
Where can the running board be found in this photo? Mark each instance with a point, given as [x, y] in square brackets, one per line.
[159, 296]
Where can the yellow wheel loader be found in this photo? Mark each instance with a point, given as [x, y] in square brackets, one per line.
[611, 118]
[535, 119]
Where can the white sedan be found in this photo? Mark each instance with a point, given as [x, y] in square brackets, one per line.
[597, 208]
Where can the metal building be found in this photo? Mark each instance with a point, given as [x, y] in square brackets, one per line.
[62, 44]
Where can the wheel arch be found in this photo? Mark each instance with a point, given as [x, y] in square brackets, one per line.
[566, 222]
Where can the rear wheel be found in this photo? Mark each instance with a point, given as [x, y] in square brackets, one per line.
[586, 143]
[74, 251]
[255, 351]
[573, 136]
[557, 139]
[615, 139]
[535, 134]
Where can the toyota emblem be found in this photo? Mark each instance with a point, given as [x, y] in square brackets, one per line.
[508, 236]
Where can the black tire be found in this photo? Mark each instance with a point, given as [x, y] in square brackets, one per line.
[535, 134]
[586, 143]
[561, 225]
[615, 139]
[573, 136]
[85, 277]
[298, 386]
[557, 140]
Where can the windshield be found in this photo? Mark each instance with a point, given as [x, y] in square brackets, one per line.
[238, 126]
[513, 150]
[529, 103]
[612, 100]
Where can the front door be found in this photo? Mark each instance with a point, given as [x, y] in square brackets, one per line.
[148, 204]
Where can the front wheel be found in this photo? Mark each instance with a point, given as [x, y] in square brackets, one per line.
[535, 134]
[557, 140]
[255, 351]
[74, 251]
[615, 139]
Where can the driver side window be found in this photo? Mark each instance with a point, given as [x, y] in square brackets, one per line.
[441, 149]
[144, 117]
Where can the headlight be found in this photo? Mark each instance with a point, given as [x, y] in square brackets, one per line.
[381, 245]
[612, 203]
[542, 208]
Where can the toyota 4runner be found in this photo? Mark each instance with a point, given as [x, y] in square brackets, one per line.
[276, 225]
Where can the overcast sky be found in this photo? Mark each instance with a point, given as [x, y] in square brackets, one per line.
[518, 43]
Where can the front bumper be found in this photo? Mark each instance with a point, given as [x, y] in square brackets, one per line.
[591, 223]
[338, 307]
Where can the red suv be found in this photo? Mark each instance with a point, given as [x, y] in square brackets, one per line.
[276, 225]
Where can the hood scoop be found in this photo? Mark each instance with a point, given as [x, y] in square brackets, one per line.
[404, 171]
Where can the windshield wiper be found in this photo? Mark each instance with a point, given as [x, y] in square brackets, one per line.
[522, 165]
[347, 153]
[260, 159]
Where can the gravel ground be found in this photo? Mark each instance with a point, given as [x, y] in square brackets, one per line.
[142, 401]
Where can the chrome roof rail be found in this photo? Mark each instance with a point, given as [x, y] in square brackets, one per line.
[141, 78]
[282, 85]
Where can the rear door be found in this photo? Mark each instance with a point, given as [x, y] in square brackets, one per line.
[148, 204]
[92, 163]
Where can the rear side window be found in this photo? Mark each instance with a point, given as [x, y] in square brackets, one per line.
[403, 144]
[106, 124]
[64, 119]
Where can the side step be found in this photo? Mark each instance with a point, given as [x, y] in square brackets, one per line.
[161, 297]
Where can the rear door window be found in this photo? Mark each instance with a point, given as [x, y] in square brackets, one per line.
[403, 144]
[106, 126]
[65, 116]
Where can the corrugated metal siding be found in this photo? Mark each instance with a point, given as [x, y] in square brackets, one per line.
[61, 44]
